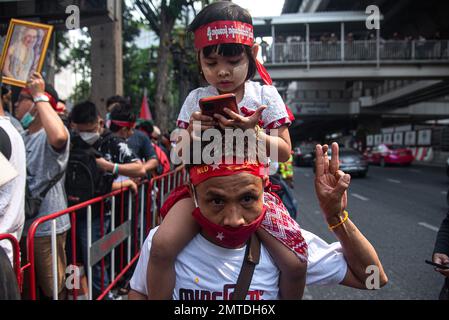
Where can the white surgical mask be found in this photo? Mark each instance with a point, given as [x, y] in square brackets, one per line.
[90, 137]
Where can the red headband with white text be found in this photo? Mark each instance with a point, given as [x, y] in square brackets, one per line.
[202, 173]
[228, 31]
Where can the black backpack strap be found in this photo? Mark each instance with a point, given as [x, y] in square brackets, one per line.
[5, 144]
[51, 184]
[252, 257]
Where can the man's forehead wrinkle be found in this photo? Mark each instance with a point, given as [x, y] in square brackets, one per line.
[235, 189]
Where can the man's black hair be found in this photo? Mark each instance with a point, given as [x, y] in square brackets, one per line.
[116, 99]
[146, 126]
[5, 90]
[225, 10]
[84, 113]
[51, 90]
[121, 112]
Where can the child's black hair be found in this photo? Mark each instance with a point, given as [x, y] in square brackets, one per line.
[226, 10]
[84, 113]
[121, 112]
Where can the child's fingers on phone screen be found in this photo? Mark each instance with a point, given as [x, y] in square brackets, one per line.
[233, 115]
[206, 127]
[197, 116]
[211, 122]
[220, 117]
[224, 127]
[223, 122]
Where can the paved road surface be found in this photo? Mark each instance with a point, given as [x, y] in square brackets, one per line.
[399, 209]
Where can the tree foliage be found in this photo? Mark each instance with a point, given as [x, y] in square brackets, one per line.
[76, 56]
[136, 61]
[162, 17]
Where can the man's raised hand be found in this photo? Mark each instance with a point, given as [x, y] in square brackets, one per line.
[331, 184]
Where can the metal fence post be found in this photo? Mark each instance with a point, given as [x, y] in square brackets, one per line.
[89, 244]
[54, 259]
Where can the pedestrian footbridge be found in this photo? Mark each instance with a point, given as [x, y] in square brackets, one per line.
[358, 60]
[297, 51]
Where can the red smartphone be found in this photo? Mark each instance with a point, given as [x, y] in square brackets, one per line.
[215, 104]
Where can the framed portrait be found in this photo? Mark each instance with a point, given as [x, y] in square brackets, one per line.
[24, 51]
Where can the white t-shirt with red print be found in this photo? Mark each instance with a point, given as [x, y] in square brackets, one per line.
[255, 96]
[205, 271]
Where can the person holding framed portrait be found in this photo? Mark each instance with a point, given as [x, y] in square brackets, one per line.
[24, 51]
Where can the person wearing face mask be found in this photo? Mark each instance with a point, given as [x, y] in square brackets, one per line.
[232, 200]
[113, 158]
[47, 144]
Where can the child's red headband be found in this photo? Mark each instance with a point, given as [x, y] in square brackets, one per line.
[228, 31]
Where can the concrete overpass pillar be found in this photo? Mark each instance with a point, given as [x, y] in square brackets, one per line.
[106, 61]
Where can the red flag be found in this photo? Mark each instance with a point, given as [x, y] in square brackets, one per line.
[145, 113]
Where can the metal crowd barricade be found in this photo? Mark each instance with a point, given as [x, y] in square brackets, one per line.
[16, 255]
[128, 233]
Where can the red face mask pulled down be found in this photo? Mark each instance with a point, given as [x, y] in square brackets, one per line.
[226, 236]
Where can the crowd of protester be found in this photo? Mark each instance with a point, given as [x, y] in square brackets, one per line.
[66, 158]
[63, 158]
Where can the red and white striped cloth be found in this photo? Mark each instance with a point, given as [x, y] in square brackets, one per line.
[422, 153]
[284, 228]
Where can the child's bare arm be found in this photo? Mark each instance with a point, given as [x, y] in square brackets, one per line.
[175, 232]
[279, 138]
[293, 272]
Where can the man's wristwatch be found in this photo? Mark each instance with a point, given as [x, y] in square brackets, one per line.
[41, 98]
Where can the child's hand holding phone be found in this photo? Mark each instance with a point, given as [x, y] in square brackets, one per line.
[207, 122]
[224, 108]
[235, 120]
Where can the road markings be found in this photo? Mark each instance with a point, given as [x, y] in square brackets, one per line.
[444, 192]
[355, 195]
[394, 181]
[307, 175]
[317, 212]
[428, 226]
[414, 170]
